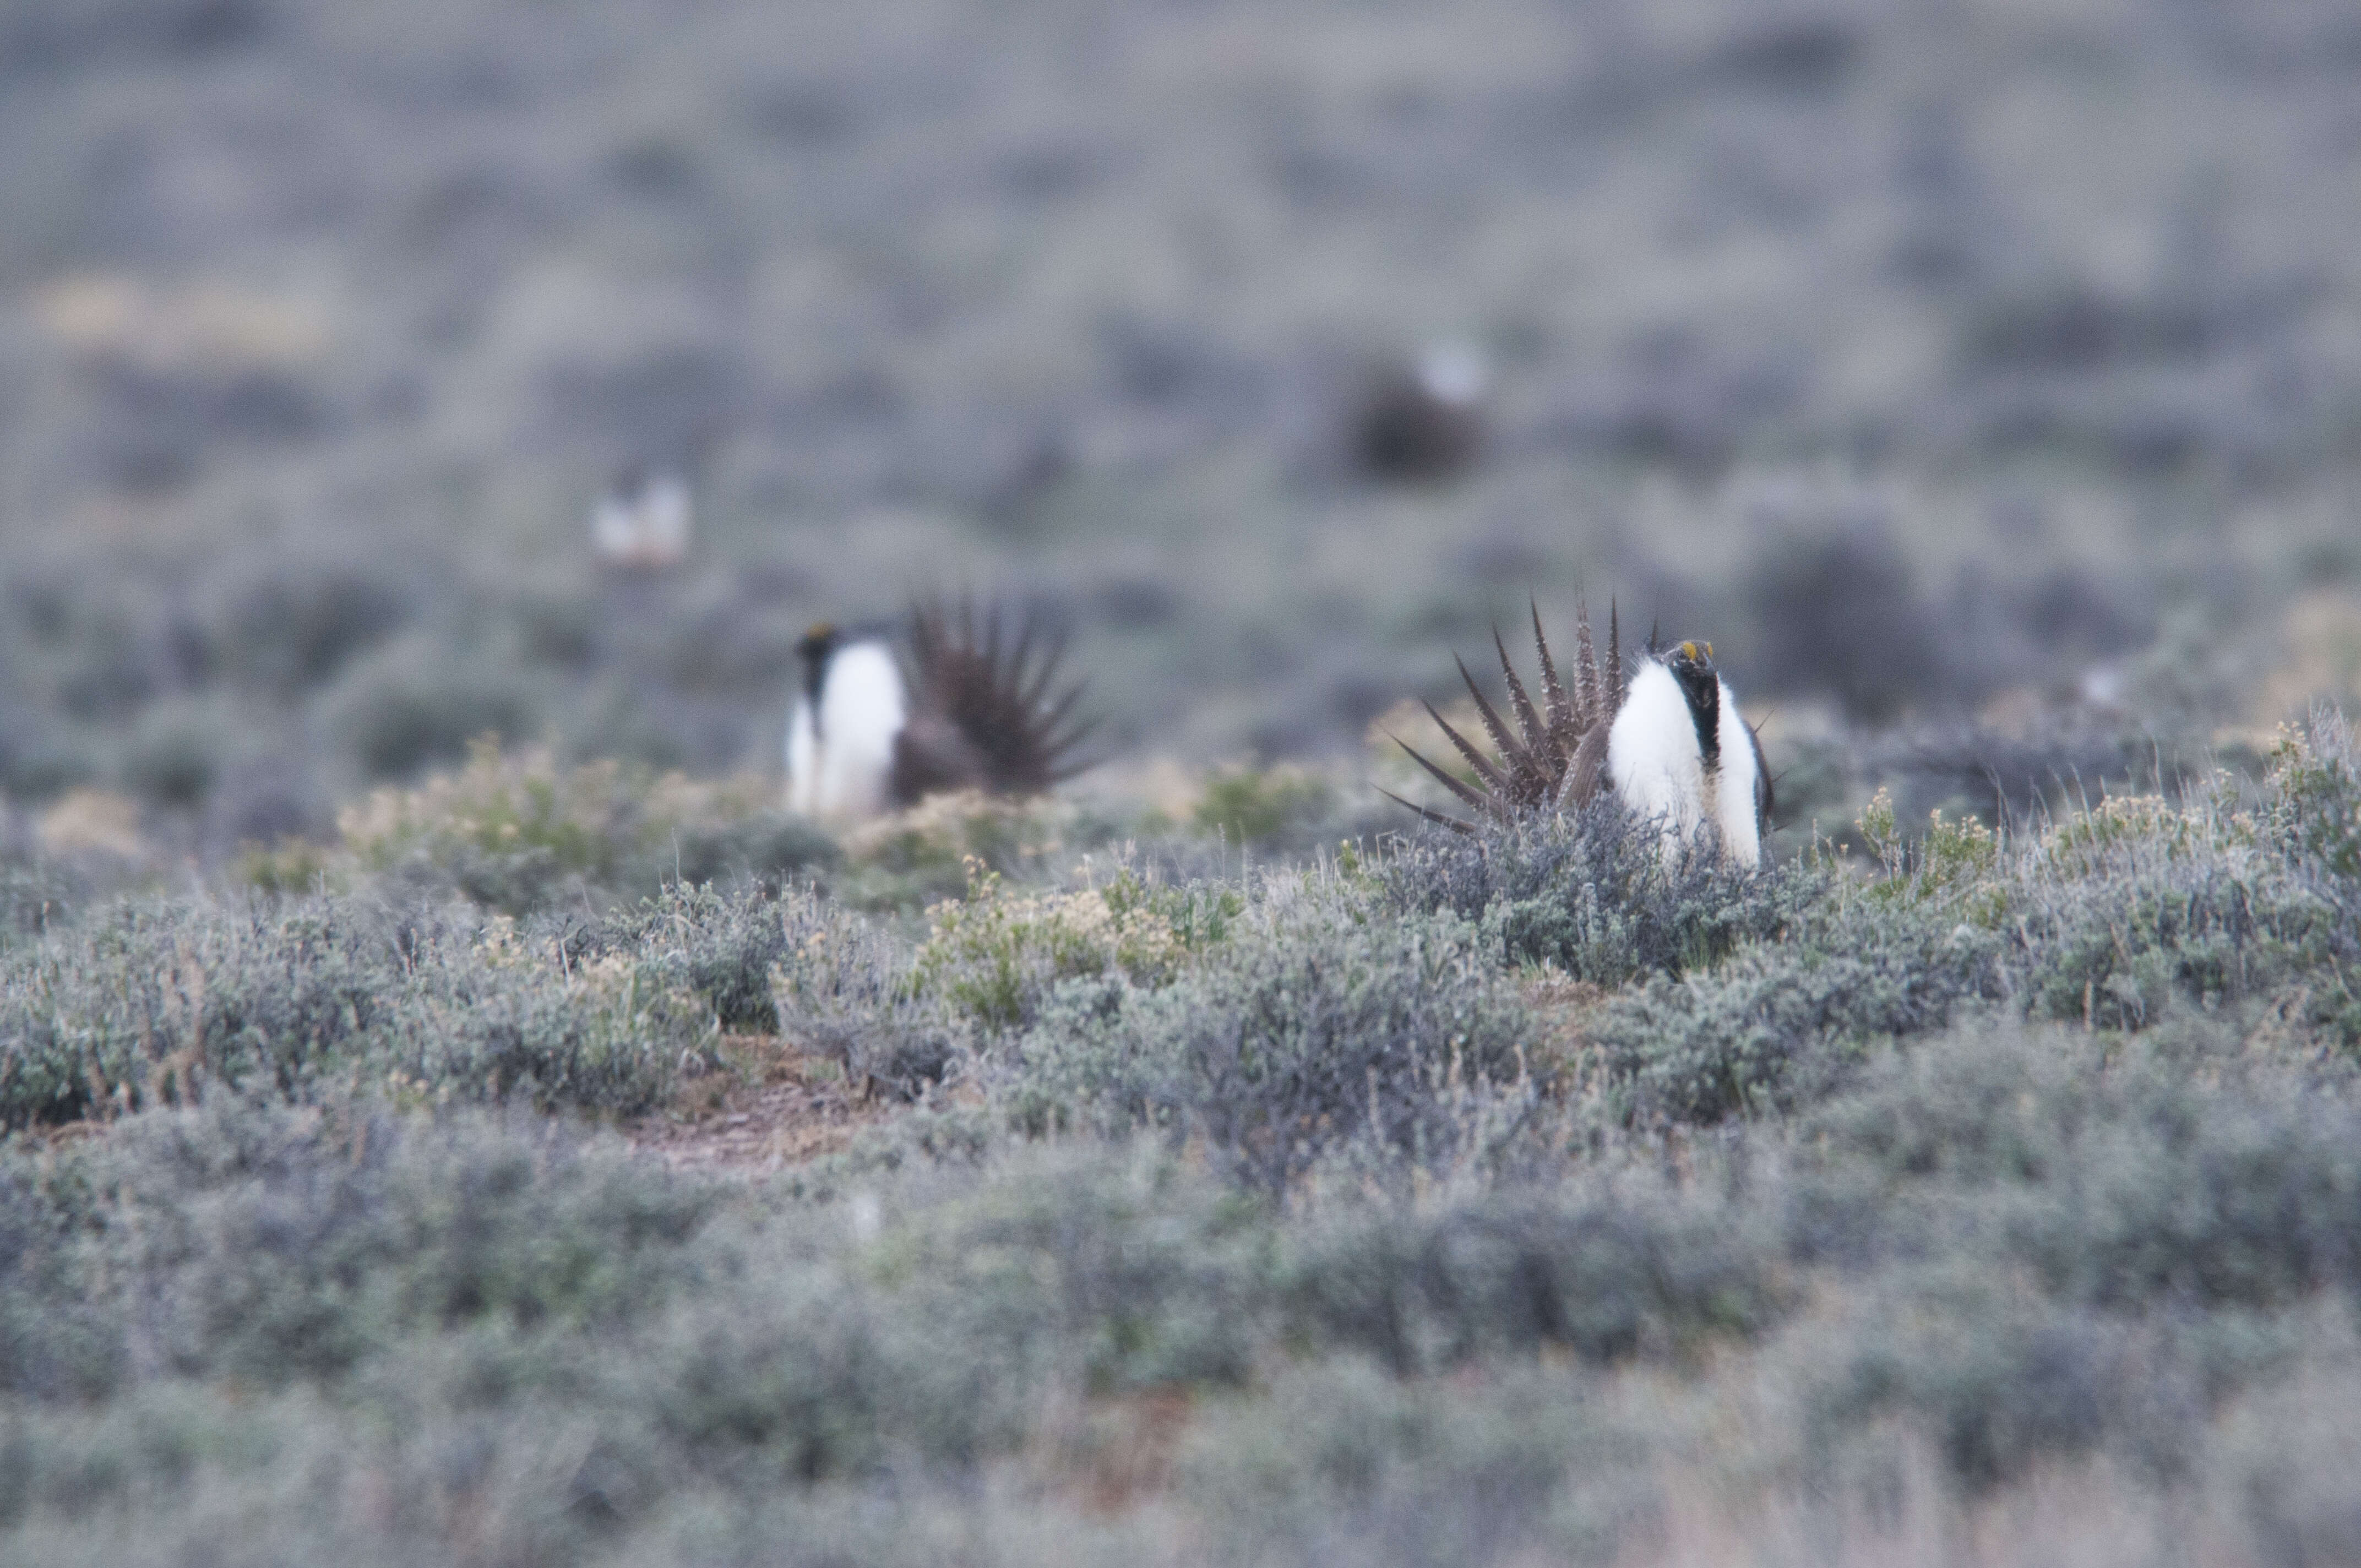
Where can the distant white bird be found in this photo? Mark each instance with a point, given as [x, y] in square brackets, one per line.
[1455, 373]
[642, 522]
[1672, 745]
[976, 713]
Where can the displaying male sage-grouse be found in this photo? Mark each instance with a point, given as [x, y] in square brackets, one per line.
[1672, 745]
[974, 709]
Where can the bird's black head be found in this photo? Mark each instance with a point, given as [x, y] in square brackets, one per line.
[816, 648]
[1692, 665]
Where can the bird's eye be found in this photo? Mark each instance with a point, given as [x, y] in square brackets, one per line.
[1688, 651]
[1709, 650]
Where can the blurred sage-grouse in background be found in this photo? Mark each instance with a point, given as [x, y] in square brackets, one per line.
[1672, 744]
[975, 710]
[641, 524]
[1423, 420]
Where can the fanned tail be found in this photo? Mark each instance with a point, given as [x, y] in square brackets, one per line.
[1533, 768]
[988, 709]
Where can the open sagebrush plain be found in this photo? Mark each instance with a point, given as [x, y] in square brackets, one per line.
[1983, 1198]
[450, 1113]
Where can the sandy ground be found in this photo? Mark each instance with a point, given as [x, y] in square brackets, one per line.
[770, 1107]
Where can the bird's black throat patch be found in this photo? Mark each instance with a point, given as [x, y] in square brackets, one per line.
[817, 647]
[1702, 687]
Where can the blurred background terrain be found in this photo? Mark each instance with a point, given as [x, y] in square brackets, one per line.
[1984, 378]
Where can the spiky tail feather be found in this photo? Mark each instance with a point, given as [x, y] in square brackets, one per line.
[1545, 762]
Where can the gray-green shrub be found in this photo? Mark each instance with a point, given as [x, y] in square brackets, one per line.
[1737, 1037]
[721, 945]
[1593, 893]
[155, 999]
[1302, 1035]
[2117, 917]
[847, 988]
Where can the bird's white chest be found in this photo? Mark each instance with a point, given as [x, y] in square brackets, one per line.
[1657, 764]
[1737, 787]
[1652, 754]
[840, 749]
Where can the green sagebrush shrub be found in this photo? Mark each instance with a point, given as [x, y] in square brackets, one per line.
[36, 899]
[832, 980]
[1593, 893]
[846, 988]
[1745, 1034]
[282, 1244]
[155, 1000]
[993, 956]
[2312, 811]
[1304, 1035]
[2136, 905]
[2116, 949]
[257, 1284]
[1265, 807]
[721, 945]
[1607, 1268]
[2054, 1245]
[275, 1244]
[523, 835]
[2117, 917]
[2174, 1170]
[2025, 1244]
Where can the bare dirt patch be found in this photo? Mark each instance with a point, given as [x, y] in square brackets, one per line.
[1111, 1455]
[771, 1105]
